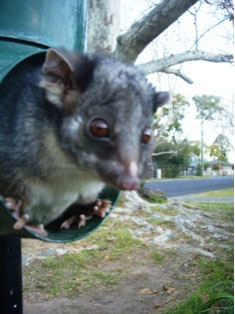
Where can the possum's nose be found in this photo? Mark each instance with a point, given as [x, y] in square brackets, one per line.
[129, 184]
[129, 180]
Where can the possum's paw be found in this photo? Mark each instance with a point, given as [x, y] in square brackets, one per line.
[99, 208]
[80, 220]
[35, 228]
[15, 206]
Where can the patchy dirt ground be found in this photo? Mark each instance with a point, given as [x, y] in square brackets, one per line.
[147, 276]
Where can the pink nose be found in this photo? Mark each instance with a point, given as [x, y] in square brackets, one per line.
[129, 185]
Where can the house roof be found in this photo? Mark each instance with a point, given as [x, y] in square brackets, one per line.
[215, 162]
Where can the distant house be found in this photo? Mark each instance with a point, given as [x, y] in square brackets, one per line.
[219, 167]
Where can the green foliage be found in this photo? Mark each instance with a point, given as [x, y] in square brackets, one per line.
[172, 164]
[223, 142]
[142, 183]
[179, 104]
[157, 199]
[177, 109]
[199, 169]
[207, 106]
[206, 165]
[216, 151]
[220, 148]
[223, 301]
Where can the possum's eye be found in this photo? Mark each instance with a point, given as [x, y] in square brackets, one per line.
[99, 128]
[146, 136]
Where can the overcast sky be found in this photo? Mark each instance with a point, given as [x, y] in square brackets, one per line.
[209, 78]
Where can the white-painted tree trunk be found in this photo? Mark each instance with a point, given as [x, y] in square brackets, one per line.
[103, 25]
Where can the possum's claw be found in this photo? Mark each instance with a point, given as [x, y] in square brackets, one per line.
[35, 228]
[21, 222]
[15, 207]
[79, 219]
[67, 223]
[100, 208]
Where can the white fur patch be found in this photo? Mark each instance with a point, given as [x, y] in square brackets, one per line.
[53, 92]
[51, 199]
[133, 169]
[64, 185]
[75, 124]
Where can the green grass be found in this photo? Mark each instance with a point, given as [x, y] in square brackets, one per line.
[118, 249]
[161, 222]
[157, 199]
[179, 178]
[215, 294]
[169, 212]
[218, 193]
[158, 257]
[223, 211]
[226, 207]
[72, 273]
[106, 278]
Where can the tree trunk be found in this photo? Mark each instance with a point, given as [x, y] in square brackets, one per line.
[103, 25]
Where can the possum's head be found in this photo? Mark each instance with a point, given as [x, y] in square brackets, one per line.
[107, 108]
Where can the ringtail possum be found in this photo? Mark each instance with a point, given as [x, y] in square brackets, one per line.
[70, 124]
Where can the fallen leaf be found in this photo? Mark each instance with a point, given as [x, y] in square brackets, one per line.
[168, 289]
[145, 291]
[156, 306]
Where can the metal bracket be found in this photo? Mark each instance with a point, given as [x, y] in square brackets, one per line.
[11, 300]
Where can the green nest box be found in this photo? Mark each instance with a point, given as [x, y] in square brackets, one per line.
[27, 29]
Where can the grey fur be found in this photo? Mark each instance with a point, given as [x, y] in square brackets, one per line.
[48, 156]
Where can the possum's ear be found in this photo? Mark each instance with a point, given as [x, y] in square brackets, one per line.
[160, 99]
[65, 75]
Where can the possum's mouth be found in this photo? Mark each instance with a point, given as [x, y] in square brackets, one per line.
[124, 183]
[122, 175]
[128, 183]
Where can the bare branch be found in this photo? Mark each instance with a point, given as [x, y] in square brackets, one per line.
[197, 55]
[142, 32]
[179, 74]
[207, 31]
[163, 153]
[195, 17]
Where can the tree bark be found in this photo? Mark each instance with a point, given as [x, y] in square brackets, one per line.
[104, 28]
[141, 33]
[164, 63]
[103, 25]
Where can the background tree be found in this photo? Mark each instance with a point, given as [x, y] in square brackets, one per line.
[220, 148]
[207, 107]
[223, 142]
[103, 27]
[178, 160]
[168, 122]
[154, 29]
[216, 151]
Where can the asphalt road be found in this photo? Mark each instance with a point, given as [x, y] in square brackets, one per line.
[173, 188]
